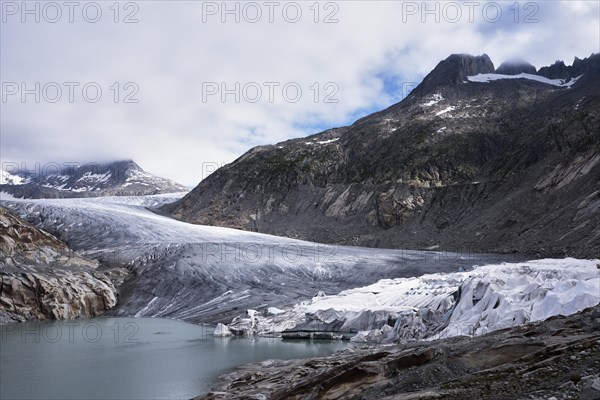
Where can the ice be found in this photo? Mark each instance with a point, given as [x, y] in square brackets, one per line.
[222, 330]
[432, 306]
[6, 196]
[494, 77]
[205, 273]
[188, 272]
[151, 201]
[143, 310]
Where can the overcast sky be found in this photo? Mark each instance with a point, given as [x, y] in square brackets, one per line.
[347, 58]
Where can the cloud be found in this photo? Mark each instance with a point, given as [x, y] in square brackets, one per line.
[360, 62]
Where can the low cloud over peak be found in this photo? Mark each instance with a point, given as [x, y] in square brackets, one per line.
[184, 87]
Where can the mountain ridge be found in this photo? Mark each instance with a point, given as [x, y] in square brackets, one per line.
[506, 165]
[117, 178]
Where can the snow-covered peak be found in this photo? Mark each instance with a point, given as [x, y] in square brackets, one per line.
[9, 179]
[485, 78]
[91, 179]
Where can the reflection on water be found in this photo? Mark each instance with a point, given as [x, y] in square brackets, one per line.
[126, 358]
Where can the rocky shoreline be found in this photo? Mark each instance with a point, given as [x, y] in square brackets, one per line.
[558, 358]
[41, 278]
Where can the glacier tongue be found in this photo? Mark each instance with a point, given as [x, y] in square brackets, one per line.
[203, 274]
[208, 274]
[434, 306]
[503, 296]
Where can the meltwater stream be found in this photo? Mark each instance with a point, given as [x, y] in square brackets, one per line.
[128, 358]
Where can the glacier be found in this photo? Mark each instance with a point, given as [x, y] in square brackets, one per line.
[294, 288]
[434, 306]
[210, 274]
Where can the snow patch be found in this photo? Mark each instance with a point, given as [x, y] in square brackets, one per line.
[324, 141]
[437, 97]
[89, 177]
[9, 179]
[485, 78]
[328, 141]
[445, 110]
[135, 174]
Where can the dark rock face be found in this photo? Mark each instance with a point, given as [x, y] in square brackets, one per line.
[558, 356]
[121, 178]
[516, 68]
[559, 70]
[590, 65]
[40, 278]
[504, 166]
[454, 70]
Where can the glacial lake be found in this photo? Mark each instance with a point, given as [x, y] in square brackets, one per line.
[128, 358]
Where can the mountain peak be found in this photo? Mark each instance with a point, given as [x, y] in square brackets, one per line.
[128, 162]
[123, 177]
[454, 70]
[121, 164]
[126, 166]
[117, 170]
[516, 67]
[559, 70]
[458, 157]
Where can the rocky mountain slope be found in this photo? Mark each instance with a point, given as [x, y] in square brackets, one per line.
[555, 359]
[474, 158]
[121, 178]
[41, 278]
